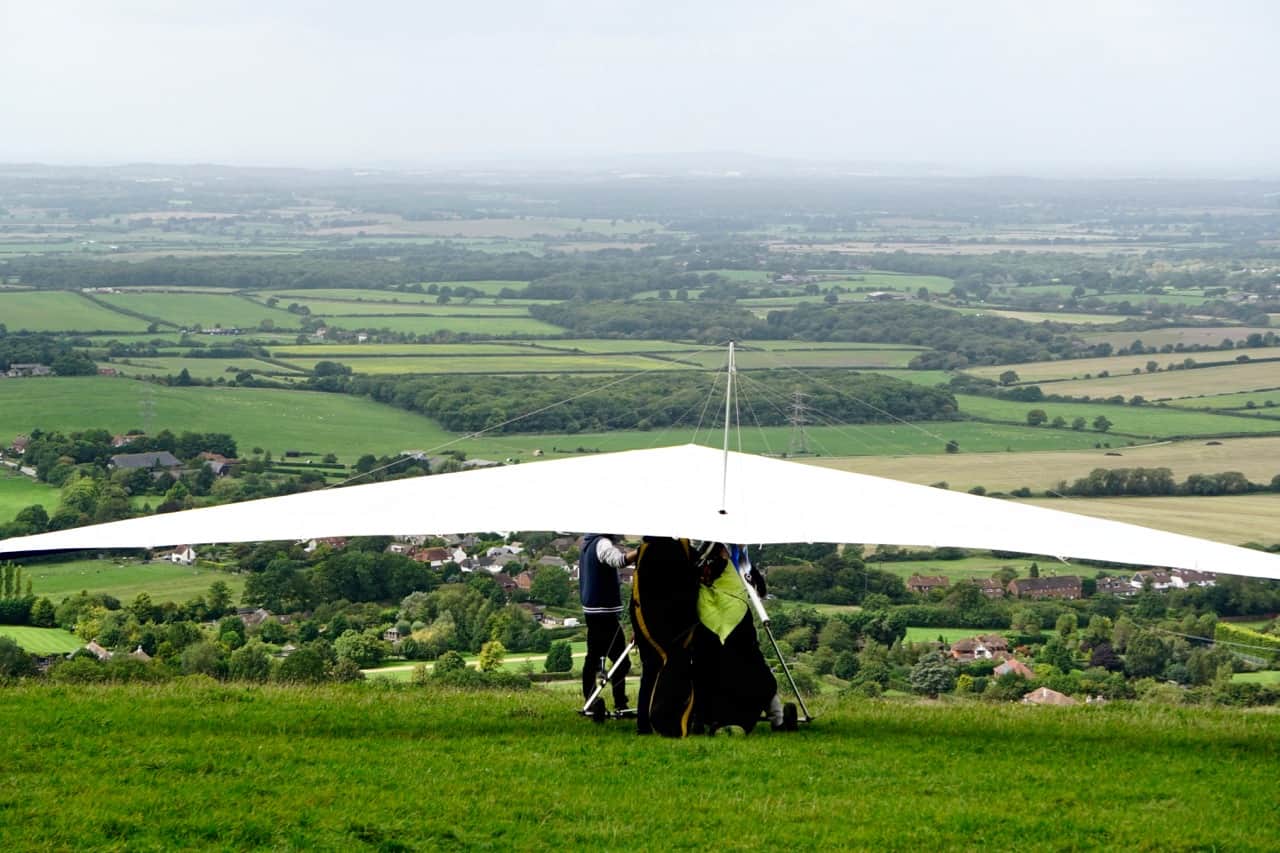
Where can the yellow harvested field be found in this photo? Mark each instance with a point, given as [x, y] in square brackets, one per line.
[864, 247]
[1173, 384]
[1116, 365]
[1235, 519]
[515, 229]
[1204, 335]
[1257, 458]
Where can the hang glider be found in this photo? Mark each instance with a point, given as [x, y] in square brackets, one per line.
[687, 490]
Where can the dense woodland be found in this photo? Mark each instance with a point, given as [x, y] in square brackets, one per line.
[524, 404]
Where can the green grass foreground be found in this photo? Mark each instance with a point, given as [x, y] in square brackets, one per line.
[374, 766]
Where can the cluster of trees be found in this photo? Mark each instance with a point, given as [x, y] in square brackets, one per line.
[461, 617]
[1038, 417]
[710, 322]
[956, 340]
[1124, 655]
[55, 352]
[468, 403]
[1107, 482]
[828, 578]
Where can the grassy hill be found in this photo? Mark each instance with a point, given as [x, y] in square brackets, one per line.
[125, 578]
[269, 418]
[198, 765]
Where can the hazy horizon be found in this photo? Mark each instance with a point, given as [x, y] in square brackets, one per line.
[999, 87]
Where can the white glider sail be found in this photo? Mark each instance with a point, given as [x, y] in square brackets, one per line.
[685, 490]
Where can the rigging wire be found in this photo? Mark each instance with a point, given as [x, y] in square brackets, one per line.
[1216, 641]
[664, 367]
[772, 355]
[780, 403]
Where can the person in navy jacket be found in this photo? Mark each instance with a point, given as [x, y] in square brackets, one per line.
[598, 587]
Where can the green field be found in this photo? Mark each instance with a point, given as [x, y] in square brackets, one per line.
[18, 491]
[906, 282]
[609, 345]
[1146, 421]
[207, 310]
[273, 419]
[194, 765]
[950, 635]
[795, 358]
[490, 288]
[61, 311]
[125, 578]
[1267, 676]
[1052, 316]
[42, 641]
[1257, 458]
[1259, 399]
[845, 440]
[341, 351]
[321, 308]
[958, 570]
[1142, 299]
[490, 325]
[199, 368]
[528, 362]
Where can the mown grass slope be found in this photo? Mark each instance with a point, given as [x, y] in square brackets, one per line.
[125, 578]
[273, 419]
[402, 768]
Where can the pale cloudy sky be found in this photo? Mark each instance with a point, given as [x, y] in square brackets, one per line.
[988, 83]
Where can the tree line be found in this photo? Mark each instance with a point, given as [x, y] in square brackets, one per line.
[556, 404]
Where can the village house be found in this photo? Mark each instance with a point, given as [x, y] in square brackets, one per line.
[1115, 586]
[220, 465]
[140, 654]
[505, 581]
[983, 647]
[253, 617]
[1045, 696]
[1186, 578]
[537, 611]
[922, 584]
[524, 581]
[333, 543]
[124, 440]
[553, 562]
[1058, 586]
[19, 444]
[564, 544]
[161, 459]
[1015, 666]
[990, 587]
[1160, 579]
[98, 651]
[109, 371]
[434, 557]
[17, 370]
[183, 555]
[392, 635]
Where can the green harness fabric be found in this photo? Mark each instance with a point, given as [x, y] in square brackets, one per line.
[722, 605]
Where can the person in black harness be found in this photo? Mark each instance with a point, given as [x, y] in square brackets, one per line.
[664, 614]
[733, 682]
[601, 606]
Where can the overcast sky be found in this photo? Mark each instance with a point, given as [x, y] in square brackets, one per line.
[994, 85]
